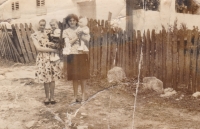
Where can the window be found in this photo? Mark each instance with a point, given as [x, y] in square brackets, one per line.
[146, 4]
[15, 5]
[40, 3]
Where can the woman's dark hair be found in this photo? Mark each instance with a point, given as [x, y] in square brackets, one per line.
[70, 16]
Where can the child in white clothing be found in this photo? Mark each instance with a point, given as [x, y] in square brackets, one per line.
[54, 37]
[84, 31]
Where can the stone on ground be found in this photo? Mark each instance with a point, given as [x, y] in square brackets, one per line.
[29, 124]
[116, 74]
[152, 83]
[82, 127]
[196, 94]
[168, 92]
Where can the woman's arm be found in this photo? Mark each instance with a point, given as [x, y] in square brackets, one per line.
[85, 38]
[39, 48]
[71, 41]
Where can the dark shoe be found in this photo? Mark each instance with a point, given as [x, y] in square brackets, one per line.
[53, 102]
[46, 103]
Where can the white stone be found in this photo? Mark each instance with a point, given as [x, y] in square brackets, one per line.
[196, 94]
[168, 92]
[116, 74]
[82, 127]
[83, 114]
[29, 124]
[152, 83]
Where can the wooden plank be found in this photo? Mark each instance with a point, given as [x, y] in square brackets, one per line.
[124, 51]
[139, 45]
[25, 55]
[95, 51]
[198, 65]
[33, 49]
[194, 61]
[119, 49]
[17, 44]
[134, 51]
[131, 50]
[169, 60]
[109, 37]
[160, 57]
[104, 54]
[91, 48]
[181, 56]
[174, 59]
[164, 52]
[15, 41]
[148, 53]
[187, 61]
[99, 48]
[26, 43]
[15, 52]
[114, 50]
[152, 57]
[144, 66]
[157, 69]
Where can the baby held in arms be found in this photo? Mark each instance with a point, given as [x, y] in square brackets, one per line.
[84, 32]
[54, 38]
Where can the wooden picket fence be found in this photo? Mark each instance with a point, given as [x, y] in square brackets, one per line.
[21, 47]
[172, 56]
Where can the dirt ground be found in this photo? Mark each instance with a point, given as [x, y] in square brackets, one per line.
[109, 106]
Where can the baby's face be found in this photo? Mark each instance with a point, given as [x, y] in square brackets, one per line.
[81, 23]
[53, 26]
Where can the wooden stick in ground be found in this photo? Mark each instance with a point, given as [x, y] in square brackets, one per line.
[12, 54]
[17, 56]
[8, 50]
[4, 46]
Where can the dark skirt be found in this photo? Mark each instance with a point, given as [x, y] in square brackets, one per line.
[76, 66]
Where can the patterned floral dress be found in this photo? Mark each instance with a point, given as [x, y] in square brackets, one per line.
[47, 71]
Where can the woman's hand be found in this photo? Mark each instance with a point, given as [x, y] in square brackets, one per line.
[51, 44]
[79, 33]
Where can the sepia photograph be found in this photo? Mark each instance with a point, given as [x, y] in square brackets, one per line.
[99, 64]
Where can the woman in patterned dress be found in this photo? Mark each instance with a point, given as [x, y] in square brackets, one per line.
[75, 64]
[47, 71]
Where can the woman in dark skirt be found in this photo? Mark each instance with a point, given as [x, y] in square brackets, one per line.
[76, 64]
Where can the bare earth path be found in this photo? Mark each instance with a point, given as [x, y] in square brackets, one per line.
[21, 106]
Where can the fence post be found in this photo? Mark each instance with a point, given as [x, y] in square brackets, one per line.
[144, 64]
[174, 59]
[198, 65]
[181, 48]
[187, 60]
[169, 60]
[194, 61]
[152, 57]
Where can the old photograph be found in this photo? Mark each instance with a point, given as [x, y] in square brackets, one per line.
[99, 64]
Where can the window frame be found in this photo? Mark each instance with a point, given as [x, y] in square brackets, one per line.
[40, 3]
[15, 6]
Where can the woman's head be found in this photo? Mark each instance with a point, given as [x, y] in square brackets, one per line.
[54, 24]
[72, 20]
[42, 24]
